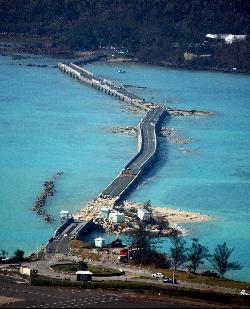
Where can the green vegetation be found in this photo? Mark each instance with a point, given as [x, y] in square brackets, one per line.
[17, 257]
[220, 259]
[202, 279]
[196, 254]
[97, 270]
[154, 31]
[4, 254]
[178, 251]
[145, 253]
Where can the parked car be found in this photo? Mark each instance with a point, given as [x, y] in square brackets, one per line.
[169, 280]
[244, 292]
[158, 275]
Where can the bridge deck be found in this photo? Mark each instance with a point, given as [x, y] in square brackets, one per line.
[147, 151]
[148, 126]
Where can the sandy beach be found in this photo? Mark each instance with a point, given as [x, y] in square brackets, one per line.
[173, 216]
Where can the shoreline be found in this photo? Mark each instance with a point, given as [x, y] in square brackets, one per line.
[167, 215]
[112, 198]
[173, 216]
[36, 44]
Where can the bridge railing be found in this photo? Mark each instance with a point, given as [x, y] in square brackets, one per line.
[63, 227]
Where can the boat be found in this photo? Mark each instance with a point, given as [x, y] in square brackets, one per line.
[121, 71]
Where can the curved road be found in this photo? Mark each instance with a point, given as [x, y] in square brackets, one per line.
[139, 163]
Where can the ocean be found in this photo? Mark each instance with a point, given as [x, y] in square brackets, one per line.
[50, 123]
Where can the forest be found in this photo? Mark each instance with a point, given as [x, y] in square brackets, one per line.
[152, 30]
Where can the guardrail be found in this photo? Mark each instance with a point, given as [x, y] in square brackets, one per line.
[111, 89]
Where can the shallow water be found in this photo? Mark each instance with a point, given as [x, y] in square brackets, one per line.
[214, 177]
[51, 123]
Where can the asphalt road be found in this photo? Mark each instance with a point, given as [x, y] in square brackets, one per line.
[149, 138]
[16, 293]
[149, 146]
[59, 245]
[116, 188]
[118, 185]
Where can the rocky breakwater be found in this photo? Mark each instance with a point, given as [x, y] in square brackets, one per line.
[172, 135]
[132, 131]
[40, 203]
[180, 112]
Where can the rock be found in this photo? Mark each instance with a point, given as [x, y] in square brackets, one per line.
[127, 130]
[49, 190]
[171, 134]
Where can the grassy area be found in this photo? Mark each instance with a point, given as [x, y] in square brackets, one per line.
[97, 270]
[77, 244]
[179, 275]
[91, 256]
[193, 278]
[151, 289]
[82, 249]
[102, 270]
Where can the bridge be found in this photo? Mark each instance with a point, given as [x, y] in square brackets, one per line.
[104, 85]
[142, 160]
[70, 229]
[123, 183]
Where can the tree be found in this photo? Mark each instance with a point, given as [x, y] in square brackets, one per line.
[220, 259]
[144, 242]
[83, 265]
[4, 254]
[196, 254]
[148, 206]
[142, 239]
[178, 251]
[162, 223]
[18, 255]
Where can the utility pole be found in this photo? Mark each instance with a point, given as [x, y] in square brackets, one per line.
[37, 253]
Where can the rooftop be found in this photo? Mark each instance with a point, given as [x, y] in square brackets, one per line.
[145, 211]
[81, 272]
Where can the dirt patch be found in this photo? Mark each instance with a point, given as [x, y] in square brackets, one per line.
[8, 300]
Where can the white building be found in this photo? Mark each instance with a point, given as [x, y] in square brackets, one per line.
[227, 37]
[144, 214]
[99, 242]
[84, 276]
[104, 213]
[64, 215]
[212, 36]
[117, 217]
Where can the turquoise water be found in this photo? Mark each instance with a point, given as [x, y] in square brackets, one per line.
[214, 177]
[51, 123]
